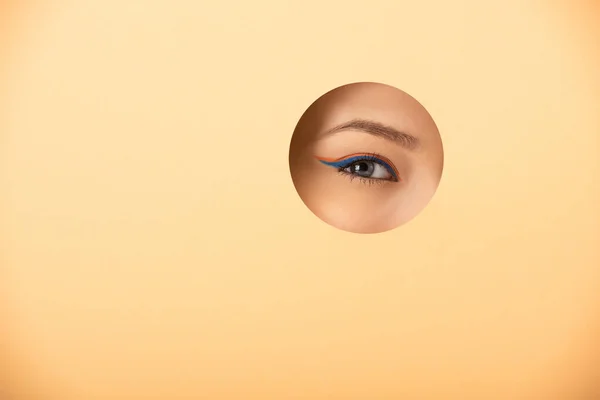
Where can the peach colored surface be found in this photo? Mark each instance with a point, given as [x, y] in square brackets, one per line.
[153, 246]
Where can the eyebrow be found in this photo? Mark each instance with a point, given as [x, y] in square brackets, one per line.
[377, 129]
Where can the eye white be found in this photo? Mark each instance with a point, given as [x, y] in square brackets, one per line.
[380, 172]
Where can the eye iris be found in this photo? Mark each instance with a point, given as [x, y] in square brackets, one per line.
[363, 168]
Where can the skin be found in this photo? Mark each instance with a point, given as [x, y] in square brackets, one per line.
[363, 205]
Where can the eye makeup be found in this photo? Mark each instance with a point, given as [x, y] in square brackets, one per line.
[364, 165]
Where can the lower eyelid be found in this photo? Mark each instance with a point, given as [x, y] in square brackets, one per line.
[368, 181]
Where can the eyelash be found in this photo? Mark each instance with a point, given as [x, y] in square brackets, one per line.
[347, 161]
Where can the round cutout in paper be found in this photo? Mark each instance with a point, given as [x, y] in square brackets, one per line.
[366, 157]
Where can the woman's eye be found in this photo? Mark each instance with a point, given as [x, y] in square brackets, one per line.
[368, 169]
[366, 166]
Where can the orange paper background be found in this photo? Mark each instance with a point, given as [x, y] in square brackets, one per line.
[153, 246]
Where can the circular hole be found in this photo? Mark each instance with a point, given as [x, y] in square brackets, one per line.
[366, 157]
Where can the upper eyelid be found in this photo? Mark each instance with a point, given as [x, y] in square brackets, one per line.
[357, 155]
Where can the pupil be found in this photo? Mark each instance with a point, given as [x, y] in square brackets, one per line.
[363, 168]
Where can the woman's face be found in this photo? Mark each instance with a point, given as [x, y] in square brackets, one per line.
[366, 157]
